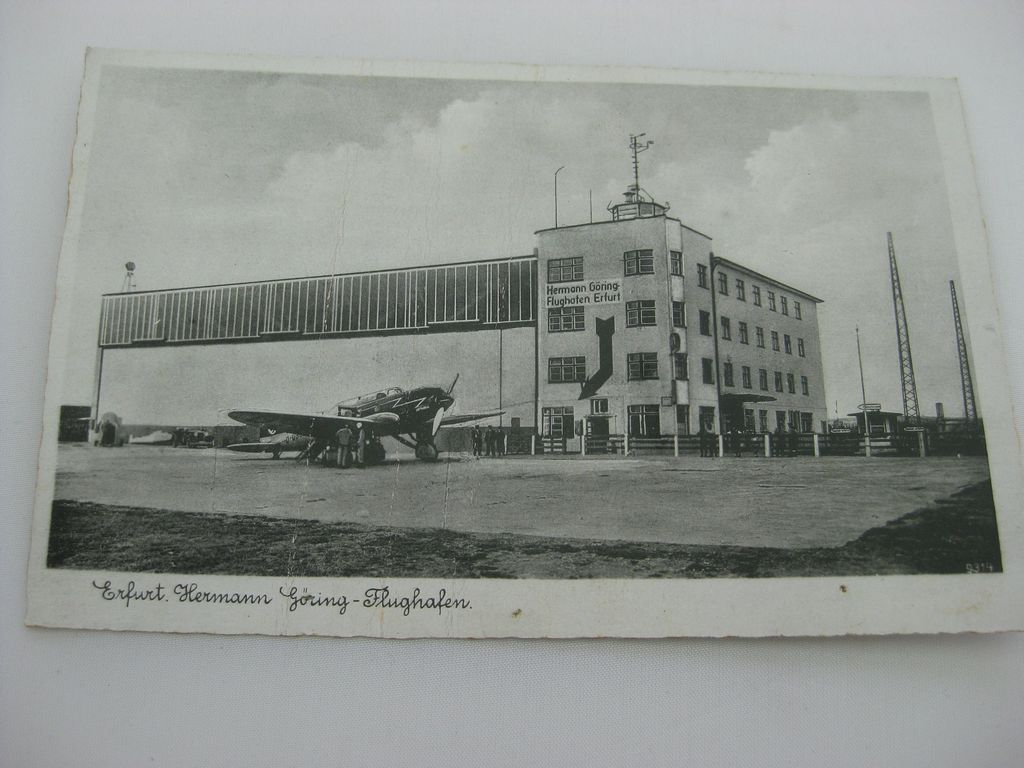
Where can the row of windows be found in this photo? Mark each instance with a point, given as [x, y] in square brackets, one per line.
[642, 366]
[779, 305]
[638, 314]
[644, 420]
[744, 334]
[481, 292]
[639, 262]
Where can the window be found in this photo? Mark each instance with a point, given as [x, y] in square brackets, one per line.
[567, 369]
[679, 314]
[771, 300]
[707, 366]
[744, 336]
[681, 366]
[775, 340]
[800, 347]
[778, 381]
[804, 386]
[748, 419]
[644, 420]
[787, 344]
[707, 417]
[806, 422]
[599, 406]
[727, 374]
[676, 262]
[796, 310]
[741, 290]
[762, 378]
[641, 365]
[760, 336]
[639, 313]
[638, 262]
[762, 421]
[780, 421]
[726, 327]
[557, 421]
[702, 275]
[705, 323]
[785, 304]
[756, 290]
[794, 421]
[745, 376]
[565, 319]
[723, 283]
[791, 383]
[683, 419]
[565, 270]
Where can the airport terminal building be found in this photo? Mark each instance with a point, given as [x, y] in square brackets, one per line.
[630, 325]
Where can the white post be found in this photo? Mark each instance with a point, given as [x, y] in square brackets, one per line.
[817, 446]
[920, 443]
[504, 443]
[583, 444]
[721, 446]
[675, 445]
[533, 445]
[767, 445]
[625, 443]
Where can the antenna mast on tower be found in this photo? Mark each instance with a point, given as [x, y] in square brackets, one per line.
[910, 407]
[636, 146]
[970, 406]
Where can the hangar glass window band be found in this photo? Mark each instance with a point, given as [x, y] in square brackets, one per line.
[638, 262]
[485, 293]
[640, 313]
[641, 366]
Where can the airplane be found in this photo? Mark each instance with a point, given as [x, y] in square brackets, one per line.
[275, 444]
[412, 417]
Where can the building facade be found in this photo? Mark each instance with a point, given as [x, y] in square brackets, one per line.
[630, 325]
[643, 330]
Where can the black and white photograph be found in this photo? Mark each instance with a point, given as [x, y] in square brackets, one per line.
[358, 331]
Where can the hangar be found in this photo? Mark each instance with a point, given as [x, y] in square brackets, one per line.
[629, 325]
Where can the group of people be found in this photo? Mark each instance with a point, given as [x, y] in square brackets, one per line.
[489, 440]
[353, 445]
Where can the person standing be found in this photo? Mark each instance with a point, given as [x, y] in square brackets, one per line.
[344, 437]
[477, 437]
[361, 441]
[489, 441]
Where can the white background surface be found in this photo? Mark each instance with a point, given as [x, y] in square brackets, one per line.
[106, 699]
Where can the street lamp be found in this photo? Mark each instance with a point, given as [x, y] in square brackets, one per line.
[556, 196]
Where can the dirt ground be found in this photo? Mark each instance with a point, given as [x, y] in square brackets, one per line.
[747, 502]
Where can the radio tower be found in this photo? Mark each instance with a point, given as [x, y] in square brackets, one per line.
[970, 407]
[910, 408]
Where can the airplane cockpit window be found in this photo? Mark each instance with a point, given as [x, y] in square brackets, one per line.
[353, 402]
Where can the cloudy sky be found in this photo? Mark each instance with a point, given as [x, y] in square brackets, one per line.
[215, 176]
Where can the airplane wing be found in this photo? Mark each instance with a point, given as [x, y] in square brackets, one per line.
[318, 425]
[462, 418]
[252, 447]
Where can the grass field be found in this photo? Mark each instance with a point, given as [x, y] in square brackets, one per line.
[953, 535]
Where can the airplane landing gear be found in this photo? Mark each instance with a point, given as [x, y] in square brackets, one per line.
[374, 453]
[426, 452]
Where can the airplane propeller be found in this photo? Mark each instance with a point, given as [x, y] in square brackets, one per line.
[437, 420]
[452, 387]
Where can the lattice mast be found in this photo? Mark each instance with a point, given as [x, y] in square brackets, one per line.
[910, 407]
[970, 406]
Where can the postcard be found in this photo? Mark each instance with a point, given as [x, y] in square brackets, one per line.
[448, 350]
